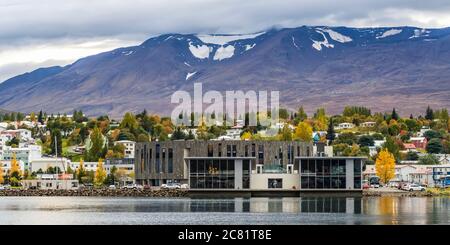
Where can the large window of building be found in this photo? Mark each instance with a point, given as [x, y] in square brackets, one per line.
[210, 150]
[157, 159]
[357, 174]
[211, 174]
[275, 183]
[246, 174]
[260, 154]
[323, 173]
[170, 161]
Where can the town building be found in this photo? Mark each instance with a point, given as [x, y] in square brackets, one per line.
[24, 153]
[129, 147]
[419, 142]
[429, 175]
[51, 182]
[43, 163]
[345, 125]
[246, 165]
[409, 147]
[368, 124]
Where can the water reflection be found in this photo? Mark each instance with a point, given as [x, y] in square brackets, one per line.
[316, 210]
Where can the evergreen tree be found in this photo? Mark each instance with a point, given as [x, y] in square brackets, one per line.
[56, 145]
[41, 117]
[394, 115]
[331, 135]
[429, 114]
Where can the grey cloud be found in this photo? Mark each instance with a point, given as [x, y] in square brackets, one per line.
[31, 22]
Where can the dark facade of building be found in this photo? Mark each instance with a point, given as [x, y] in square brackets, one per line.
[159, 162]
[241, 165]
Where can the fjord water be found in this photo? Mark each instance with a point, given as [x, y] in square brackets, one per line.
[305, 210]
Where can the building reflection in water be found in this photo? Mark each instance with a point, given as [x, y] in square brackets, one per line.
[350, 205]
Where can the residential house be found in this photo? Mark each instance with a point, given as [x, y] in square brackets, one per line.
[345, 125]
[419, 142]
[368, 124]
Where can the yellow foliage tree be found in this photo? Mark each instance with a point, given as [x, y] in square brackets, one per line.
[246, 136]
[2, 180]
[100, 174]
[303, 132]
[15, 169]
[385, 166]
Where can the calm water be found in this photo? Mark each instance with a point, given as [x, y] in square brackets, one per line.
[311, 210]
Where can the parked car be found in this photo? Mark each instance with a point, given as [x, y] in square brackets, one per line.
[375, 186]
[171, 186]
[133, 186]
[2, 188]
[414, 187]
[112, 187]
[6, 187]
[184, 186]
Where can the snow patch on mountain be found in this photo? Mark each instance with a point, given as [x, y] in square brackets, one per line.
[126, 53]
[248, 46]
[224, 52]
[389, 33]
[318, 44]
[293, 42]
[190, 74]
[420, 33]
[201, 52]
[224, 39]
[336, 36]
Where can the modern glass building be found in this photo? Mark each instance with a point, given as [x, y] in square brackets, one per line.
[331, 173]
[245, 165]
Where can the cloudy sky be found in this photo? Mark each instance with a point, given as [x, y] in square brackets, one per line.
[54, 32]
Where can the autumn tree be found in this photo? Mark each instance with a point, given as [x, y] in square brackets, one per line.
[385, 166]
[100, 174]
[303, 132]
[286, 133]
[15, 174]
[81, 172]
[246, 136]
[2, 179]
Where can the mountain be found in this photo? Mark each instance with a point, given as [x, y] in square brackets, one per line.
[403, 67]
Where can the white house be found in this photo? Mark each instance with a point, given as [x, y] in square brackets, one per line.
[129, 147]
[44, 163]
[368, 124]
[88, 166]
[345, 125]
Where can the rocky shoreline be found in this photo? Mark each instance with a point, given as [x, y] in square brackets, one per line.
[374, 193]
[96, 193]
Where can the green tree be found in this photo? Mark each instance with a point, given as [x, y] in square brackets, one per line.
[56, 142]
[301, 115]
[412, 156]
[129, 121]
[394, 115]
[286, 133]
[429, 115]
[366, 140]
[331, 135]
[392, 147]
[96, 151]
[434, 146]
[429, 159]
